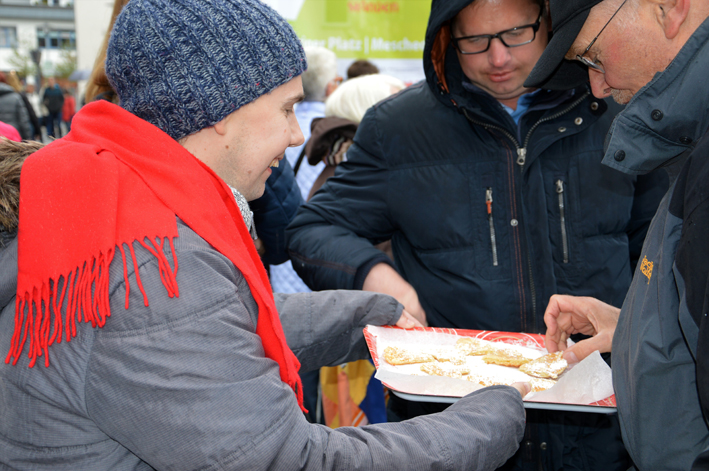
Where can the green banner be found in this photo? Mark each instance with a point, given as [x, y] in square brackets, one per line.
[363, 29]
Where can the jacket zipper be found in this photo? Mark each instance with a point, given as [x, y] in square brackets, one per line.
[522, 150]
[493, 243]
[562, 217]
[521, 160]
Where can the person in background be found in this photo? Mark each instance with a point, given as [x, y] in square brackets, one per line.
[494, 198]
[68, 109]
[654, 57]
[193, 368]
[36, 103]
[361, 67]
[13, 110]
[53, 100]
[14, 81]
[344, 109]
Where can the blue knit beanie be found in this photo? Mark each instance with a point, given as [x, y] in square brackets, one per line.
[184, 65]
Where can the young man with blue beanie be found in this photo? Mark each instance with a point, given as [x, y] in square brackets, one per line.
[137, 223]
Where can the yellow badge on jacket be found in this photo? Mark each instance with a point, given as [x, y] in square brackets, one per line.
[646, 269]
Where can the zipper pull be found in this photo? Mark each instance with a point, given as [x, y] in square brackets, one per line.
[562, 221]
[493, 242]
[521, 156]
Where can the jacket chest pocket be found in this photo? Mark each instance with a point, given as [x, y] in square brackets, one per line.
[563, 209]
[560, 186]
[489, 204]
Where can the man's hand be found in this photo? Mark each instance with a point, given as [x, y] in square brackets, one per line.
[568, 315]
[407, 321]
[382, 278]
[523, 388]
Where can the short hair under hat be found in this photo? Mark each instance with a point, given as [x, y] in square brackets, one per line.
[184, 65]
[552, 71]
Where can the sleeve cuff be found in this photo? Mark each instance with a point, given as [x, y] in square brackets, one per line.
[363, 270]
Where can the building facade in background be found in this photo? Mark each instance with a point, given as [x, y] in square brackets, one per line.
[34, 31]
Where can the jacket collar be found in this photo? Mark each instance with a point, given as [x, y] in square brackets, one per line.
[667, 116]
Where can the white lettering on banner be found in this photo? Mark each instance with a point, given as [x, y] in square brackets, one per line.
[337, 43]
[368, 45]
[379, 44]
[312, 42]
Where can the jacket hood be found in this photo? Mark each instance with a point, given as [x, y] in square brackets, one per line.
[8, 272]
[440, 62]
[12, 156]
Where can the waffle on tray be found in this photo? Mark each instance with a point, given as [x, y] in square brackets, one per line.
[402, 356]
[473, 346]
[450, 362]
[439, 369]
[547, 366]
[505, 357]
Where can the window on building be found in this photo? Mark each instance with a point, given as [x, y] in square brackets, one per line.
[56, 39]
[8, 36]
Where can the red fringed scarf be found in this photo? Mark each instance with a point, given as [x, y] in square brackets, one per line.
[114, 180]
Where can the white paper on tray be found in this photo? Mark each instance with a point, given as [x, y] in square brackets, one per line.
[586, 382]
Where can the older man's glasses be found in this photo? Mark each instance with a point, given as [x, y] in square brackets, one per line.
[514, 37]
[582, 57]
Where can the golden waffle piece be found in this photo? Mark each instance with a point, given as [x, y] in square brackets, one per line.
[506, 357]
[402, 356]
[451, 355]
[473, 346]
[539, 384]
[547, 366]
[439, 369]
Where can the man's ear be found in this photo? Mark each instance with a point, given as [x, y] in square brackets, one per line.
[671, 14]
[220, 127]
[547, 15]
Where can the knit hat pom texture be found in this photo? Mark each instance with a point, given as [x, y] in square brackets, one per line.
[184, 65]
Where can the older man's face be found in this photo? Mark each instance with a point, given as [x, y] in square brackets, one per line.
[628, 50]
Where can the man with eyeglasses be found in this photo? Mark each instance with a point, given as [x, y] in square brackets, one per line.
[654, 56]
[495, 199]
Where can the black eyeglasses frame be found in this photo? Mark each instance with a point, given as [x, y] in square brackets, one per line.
[490, 37]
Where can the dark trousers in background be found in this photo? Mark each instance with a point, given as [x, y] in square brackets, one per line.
[53, 123]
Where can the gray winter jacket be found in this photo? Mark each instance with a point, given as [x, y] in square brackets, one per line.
[13, 111]
[660, 343]
[183, 384]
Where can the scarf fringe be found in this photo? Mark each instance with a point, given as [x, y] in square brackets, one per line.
[38, 310]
